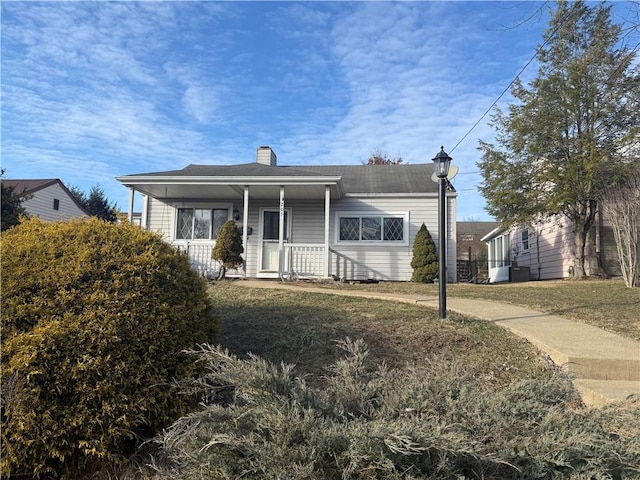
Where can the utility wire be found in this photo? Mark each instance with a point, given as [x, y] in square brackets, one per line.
[533, 57]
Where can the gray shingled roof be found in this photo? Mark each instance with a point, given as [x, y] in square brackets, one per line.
[367, 179]
[414, 178]
[28, 186]
[480, 228]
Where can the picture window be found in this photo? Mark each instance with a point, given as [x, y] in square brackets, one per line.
[370, 228]
[200, 223]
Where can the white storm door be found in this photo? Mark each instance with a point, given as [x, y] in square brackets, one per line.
[270, 238]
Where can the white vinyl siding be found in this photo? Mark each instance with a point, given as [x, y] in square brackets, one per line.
[360, 260]
[390, 261]
[43, 202]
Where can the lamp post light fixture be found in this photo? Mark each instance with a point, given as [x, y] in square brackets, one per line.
[442, 162]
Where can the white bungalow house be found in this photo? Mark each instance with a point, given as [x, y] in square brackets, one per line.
[47, 199]
[543, 251]
[349, 222]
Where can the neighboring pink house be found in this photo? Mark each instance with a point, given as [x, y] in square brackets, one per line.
[543, 251]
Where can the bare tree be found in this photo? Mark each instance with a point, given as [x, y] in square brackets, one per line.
[378, 157]
[621, 204]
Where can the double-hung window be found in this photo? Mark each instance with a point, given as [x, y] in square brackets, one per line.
[372, 228]
[200, 223]
[525, 240]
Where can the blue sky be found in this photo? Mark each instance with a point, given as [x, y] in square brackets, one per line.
[94, 90]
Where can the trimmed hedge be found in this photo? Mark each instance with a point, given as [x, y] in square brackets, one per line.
[228, 249]
[95, 318]
[425, 259]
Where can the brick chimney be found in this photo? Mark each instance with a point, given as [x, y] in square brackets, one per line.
[266, 156]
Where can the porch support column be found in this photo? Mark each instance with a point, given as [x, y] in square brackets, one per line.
[281, 234]
[131, 198]
[145, 211]
[245, 227]
[327, 206]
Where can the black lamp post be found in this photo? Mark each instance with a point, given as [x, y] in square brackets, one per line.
[442, 162]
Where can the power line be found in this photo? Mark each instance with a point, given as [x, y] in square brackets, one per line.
[514, 79]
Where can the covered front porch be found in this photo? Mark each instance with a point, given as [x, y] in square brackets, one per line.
[284, 220]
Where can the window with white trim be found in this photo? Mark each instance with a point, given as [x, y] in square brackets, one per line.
[525, 239]
[371, 228]
[200, 223]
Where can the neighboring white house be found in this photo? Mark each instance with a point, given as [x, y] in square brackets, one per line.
[349, 222]
[544, 251]
[47, 199]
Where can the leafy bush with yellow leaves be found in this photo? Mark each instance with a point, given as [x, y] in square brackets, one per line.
[95, 319]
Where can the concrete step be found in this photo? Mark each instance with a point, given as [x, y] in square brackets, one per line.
[598, 393]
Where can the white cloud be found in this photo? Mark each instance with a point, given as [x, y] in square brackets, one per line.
[200, 102]
[95, 89]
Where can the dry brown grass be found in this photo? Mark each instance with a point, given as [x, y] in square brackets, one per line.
[301, 328]
[607, 304]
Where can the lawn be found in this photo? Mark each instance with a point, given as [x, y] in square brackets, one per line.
[459, 398]
[302, 328]
[607, 304]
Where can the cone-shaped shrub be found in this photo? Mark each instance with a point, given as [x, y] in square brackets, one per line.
[95, 319]
[228, 249]
[425, 259]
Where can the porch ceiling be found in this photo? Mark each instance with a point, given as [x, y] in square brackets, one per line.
[224, 191]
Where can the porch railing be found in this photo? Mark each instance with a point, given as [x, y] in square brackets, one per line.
[200, 258]
[303, 260]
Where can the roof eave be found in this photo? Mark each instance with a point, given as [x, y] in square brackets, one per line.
[493, 234]
[236, 180]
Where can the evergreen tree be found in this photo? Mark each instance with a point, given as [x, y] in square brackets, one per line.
[96, 203]
[425, 259]
[566, 138]
[228, 250]
[12, 208]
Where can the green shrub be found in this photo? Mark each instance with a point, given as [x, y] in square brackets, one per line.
[370, 421]
[228, 249]
[425, 259]
[95, 319]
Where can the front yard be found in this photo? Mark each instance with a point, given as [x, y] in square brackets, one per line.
[423, 399]
[607, 304]
[302, 328]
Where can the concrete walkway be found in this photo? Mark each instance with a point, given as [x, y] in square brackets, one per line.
[606, 366]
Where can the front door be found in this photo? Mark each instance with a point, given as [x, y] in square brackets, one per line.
[270, 239]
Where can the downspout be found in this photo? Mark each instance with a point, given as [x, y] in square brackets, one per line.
[538, 232]
[599, 244]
